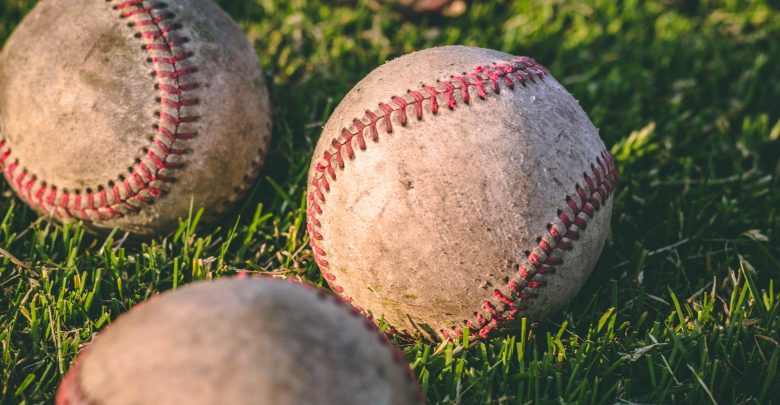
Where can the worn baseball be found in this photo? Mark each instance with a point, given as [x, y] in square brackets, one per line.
[123, 113]
[459, 187]
[251, 341]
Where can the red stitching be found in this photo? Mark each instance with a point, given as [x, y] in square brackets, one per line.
[152, 21]
[560, 235]
[523, 288]
[71, 385]
[482, 79]
[130, 3]
[398, 355]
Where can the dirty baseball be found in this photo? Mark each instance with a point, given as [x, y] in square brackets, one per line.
[459, 187]
[122, 113]
[240, 341]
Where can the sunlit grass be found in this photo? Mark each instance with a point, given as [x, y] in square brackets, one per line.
[683, 305]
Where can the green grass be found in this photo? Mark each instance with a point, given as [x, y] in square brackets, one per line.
[683, 306]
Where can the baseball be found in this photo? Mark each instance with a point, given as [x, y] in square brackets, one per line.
[123, 113]
[459, 187]
[251, 341]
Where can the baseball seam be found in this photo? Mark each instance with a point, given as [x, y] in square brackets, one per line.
[482, 80]
[128, 192]
[397, 354]
[542, 260]
[70, 387]
[72, 383]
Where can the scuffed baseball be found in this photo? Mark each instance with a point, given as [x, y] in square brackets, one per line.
[251, 341]
[459, 187]
[121, 113]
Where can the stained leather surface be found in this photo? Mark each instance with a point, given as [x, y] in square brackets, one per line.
[81, 104]
[259, 341]
[423, 225]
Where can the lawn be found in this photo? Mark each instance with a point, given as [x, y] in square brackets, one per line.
[683, 306]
